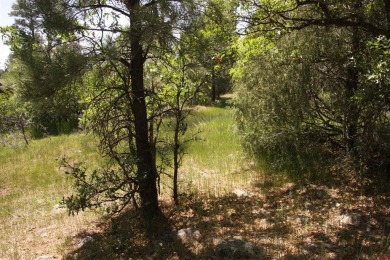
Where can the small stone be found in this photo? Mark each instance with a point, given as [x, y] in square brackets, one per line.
[85, 240]
[196, 235]
[238, 248]
[189, 234]
[353, 219]
[301, 219]
[45, 257]
[262, 223]
[42, 233]
[240, 193]
[183, 234]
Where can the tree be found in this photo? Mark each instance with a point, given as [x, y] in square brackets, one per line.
[43, 73]
[116, 38]
[181, 81]
[14, 116]
[310, 97]
[211, 37]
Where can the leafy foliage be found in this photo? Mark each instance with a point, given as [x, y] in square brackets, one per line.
[14, 117]
[302, 99]
[44, 73]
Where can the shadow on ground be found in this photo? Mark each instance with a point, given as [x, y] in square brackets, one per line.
[129, 236]
[289, 222]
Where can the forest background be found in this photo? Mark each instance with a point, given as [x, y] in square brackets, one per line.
[303, 86]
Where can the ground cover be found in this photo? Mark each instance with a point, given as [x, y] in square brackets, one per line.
[224, 195]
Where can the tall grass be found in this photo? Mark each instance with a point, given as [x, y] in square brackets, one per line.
[31, 183]
[213, 163]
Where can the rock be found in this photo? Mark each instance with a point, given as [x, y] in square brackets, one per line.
[263, 223]
[353, 219]
[85, 240]
[240, 193]
[42, 233]
[45, 257]
[183, 234]
[57, 206]
[330, 256]
[189, 234]
[196, 235]
[237, 248]
[301, 219]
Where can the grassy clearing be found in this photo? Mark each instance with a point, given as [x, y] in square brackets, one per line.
[31, 184]
[214, 164]
[289, 221]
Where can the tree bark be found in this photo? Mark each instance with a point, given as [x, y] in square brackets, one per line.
[177, 144]
[387, 8]
[213, 85]
[351, 86]
[146, 168]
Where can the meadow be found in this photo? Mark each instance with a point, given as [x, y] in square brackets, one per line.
[224, 194]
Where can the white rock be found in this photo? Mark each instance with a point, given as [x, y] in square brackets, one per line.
[183, 234]
[240, 193]
[45, 257]
[85, 240]
[349, 219]
[189, 234]
[196, 235]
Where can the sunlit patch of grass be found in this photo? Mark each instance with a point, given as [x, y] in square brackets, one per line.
[214, 163]
[288, 220]
[31, 183]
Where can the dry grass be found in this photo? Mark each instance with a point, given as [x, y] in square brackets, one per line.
[287, 220]
[31, 186]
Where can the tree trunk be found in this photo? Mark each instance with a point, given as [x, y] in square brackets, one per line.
[351, 86]
[176, 163]
[176, 167]
[387, 8]
[213, 85]
[146, 168]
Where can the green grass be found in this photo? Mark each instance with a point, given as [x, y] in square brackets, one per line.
[213, 163]
[31, 183]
